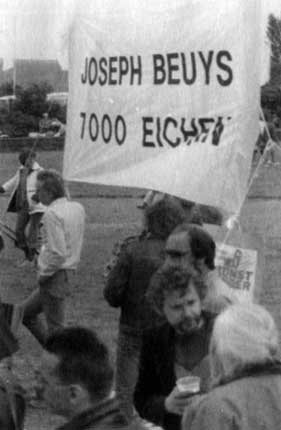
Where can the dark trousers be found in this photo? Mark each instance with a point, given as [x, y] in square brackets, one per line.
[45, 301]
[28, 242]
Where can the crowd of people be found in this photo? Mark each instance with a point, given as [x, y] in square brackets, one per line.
[178, 320]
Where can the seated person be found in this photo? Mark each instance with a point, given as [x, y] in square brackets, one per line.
[179, 347]
[76, 378]
[246, 374]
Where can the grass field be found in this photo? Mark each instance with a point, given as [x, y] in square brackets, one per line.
[111, 215]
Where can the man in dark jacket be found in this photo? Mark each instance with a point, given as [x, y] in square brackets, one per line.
[126, 285]
[177, 348]
[76, 378]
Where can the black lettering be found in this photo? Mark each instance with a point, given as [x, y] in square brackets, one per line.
[166, 124]
[218, 130]
[84, 77]
[112, 70]
[120, 130]
[205, 130]
[103, 71]
[136, 70]
[187, 80]
[237, 258]
[83, 116]
[159, 69]
[146, 120]
[225, 67]
[188, 133]
[106, 119]
[158, 131]
[248, 275]
[123, 68]
[206, 64]
[93, 71]
[172, 68]
[93, 136]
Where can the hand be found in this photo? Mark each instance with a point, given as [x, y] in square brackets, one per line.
[177, 401]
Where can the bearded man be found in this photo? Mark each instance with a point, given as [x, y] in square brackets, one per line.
[179, 347]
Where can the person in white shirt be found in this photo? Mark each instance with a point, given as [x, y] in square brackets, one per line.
[62, 239]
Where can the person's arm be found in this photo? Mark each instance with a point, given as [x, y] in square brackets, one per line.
[10, 184]
[54, 251]
[149, 404]
[118, 278]
[149, 399]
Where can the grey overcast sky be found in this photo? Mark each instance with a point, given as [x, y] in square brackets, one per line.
[33, 22]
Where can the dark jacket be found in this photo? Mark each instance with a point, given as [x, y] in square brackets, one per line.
[105, 416]
[129, 278]
[157, 371]
[250, 402]
[12, 402]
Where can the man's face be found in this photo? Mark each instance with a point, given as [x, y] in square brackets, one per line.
[55, 393]
[178, 252]
[183, 312]
[44, 196]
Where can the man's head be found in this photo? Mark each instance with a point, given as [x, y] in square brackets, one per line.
[49, 186]
[162, 216]
[191, 247]
[176, 295]
[27, 158]
[76, 371]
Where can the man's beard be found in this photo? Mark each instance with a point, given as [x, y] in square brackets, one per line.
[189, 325]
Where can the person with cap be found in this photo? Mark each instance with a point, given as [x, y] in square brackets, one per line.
[127, 280]
[29, 212]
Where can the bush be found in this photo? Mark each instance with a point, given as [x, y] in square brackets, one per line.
[19, 124]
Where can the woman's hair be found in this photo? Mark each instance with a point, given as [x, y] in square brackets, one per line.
[244, 335]
[168, 279]
[163, 216]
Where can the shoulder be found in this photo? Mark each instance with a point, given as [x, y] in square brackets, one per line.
[210, 410]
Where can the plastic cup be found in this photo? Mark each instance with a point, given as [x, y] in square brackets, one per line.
[189, 384]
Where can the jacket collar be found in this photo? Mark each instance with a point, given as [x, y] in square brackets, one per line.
[261, 369]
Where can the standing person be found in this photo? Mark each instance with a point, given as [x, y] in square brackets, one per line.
[193, 248]
[126, 286]
[76, 380]
[23, 187]
[246, 374]
[177, 348]
[62, 237]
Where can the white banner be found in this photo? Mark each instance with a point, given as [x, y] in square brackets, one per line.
[165, 96]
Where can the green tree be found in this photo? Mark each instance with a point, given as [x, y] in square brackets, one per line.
[32, 100]
[274, 35]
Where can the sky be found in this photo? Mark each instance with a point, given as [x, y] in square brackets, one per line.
[38, 28]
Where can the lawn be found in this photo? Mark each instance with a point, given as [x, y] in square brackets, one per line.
[111, 215]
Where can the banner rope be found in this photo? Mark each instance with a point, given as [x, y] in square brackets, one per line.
[234, 220]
